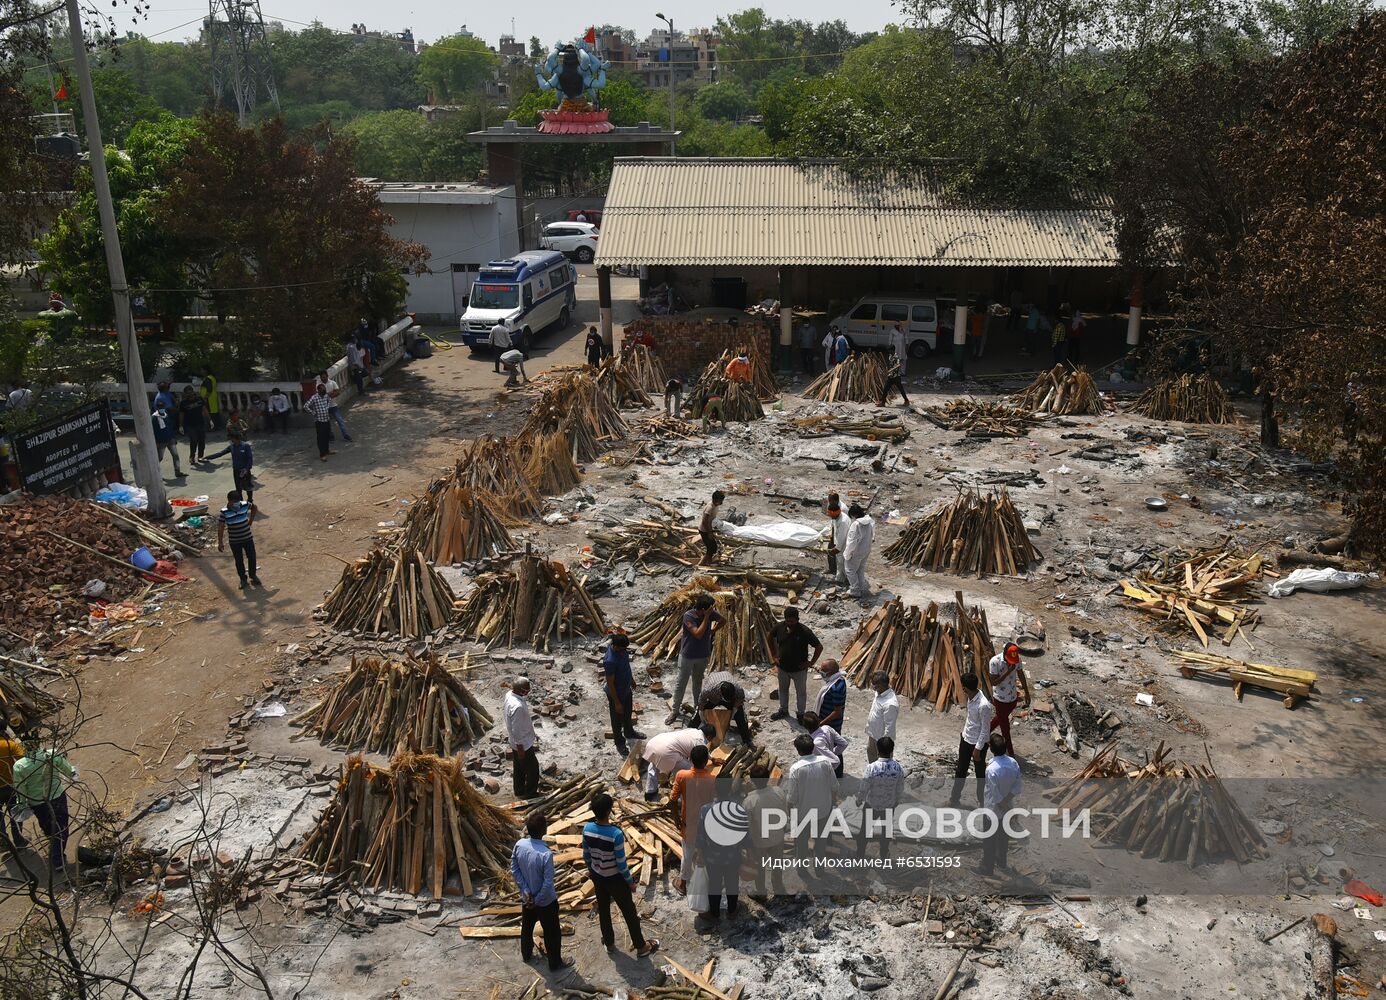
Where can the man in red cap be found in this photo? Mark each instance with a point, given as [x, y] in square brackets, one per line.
[1006, 674]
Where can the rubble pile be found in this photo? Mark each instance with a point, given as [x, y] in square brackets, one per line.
[43, 566]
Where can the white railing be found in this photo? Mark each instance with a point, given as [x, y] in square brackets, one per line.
[237, 395]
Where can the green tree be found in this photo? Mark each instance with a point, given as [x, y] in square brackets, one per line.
[73, 255]
[725, 101]
[454, 67]
[721, 138]
[390, 145]
[285, 235]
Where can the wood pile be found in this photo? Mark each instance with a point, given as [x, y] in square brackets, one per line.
[859, 379]
[42, 575]
[884, 428]
[383, 706]
[924, 650]
[1194, 399]
[1207, 591]
[394, 591]
[550, 465]
[1162, 808]
[977, 534]
[622, 386]
[667, 428]
[23, 704]
[418, 826]
[741, 399]
[654, 847]
[534, 603]
[743, 638]
[452, 523]
[493, 466]
[641, 541]
[582, 411]
[1293, 685]
[981, 419]
[132, 523]
[644, 367]
[1063, 389]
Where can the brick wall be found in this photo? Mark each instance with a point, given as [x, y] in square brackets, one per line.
[686, 346]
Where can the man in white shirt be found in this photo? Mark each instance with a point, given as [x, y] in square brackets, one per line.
[836, 534]
[1003, 786]
[885, 711]
[860, 535]
[519, 732]
[1007, 678]
[810, 788]
[500, 343]
[829, 340]
[334, 411]
[897, 343]
[21, 397]
[671, 752]
[279, 409]
[972, 748]
[513, 361]
[828, 743]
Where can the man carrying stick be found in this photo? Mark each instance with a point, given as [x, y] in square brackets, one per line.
[836, 534]
[706, 529]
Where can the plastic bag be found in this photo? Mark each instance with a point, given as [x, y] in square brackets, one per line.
[1320, 581]
[697, 897]
[122, 495]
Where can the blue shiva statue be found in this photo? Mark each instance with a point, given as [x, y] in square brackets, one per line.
[572, 69]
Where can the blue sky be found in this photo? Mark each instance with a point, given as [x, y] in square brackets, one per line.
[550, 20]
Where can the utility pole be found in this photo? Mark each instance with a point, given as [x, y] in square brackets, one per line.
[148, 474]
[670, 21]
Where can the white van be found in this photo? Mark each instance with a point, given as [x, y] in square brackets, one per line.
[531, 291]
[870, 322]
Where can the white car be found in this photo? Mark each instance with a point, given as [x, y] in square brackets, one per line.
[576, 239]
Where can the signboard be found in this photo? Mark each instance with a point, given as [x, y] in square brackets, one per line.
[67, 450]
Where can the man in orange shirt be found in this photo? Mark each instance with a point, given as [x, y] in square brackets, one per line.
[11, 750]
[739, 368]
[692, 790]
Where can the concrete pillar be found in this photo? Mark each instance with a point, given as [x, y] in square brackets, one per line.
[959, 334]
[1133, 322]
[786, 351]
[604, 306]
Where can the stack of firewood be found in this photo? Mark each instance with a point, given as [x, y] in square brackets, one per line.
[382, 706]
[582, 411]
[973, 534]
[644, 367]
[1161, 808]
[740, 400]
[1063, 389]
[394, 591]
[493, 466]
[622, 386]
[981, 419]
[859, 379]
[550, 465]
[640, 541]
[924, 650]
[883, 428]
[452, 523]
[417, 826]
[1207, 590]
[1194, 399]
[743, 637]
[534, 603]
[23, 704]
[668, 428]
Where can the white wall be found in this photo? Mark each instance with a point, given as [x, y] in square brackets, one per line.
[462, 234]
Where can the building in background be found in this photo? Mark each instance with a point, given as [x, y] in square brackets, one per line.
[463, 226]
[691, 56]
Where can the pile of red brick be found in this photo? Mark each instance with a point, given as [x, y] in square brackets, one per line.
[41, 577]
[687, 346]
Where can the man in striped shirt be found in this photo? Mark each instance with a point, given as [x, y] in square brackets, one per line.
[604, 852]
[235, 520]
[831, 705]
[320, 406]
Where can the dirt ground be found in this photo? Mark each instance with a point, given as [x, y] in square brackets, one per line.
[1090, 524]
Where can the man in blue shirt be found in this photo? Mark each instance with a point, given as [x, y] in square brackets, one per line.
[604, 852]
[620, 691]
[531, 865]
[695, 650]
[169, 400]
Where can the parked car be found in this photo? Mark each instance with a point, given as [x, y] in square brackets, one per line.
[576, 239]
[869, 323]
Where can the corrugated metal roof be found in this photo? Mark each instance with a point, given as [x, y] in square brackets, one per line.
[662, 210]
